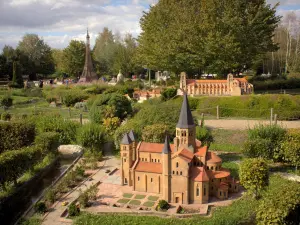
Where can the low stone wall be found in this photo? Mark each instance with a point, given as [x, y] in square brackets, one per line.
[70, 151]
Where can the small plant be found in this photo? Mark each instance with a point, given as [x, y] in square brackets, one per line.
[73, 210]
[163, 205]
[50, 196]
[84, 199]
[79, 171]
[5, 116]
[40, 207]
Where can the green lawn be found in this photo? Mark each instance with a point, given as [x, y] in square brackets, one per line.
[139, 196]
[153, 198]
[228, 140]
[149, 204]
[134, 202]
[127, 195]
[123, 201]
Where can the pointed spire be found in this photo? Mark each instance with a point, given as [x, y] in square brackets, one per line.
[186, 119]
[126, 140]
[167, 148]
[132, 136]
[87, 33]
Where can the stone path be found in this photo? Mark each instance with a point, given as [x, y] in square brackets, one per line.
[53, 217]
[245, 124]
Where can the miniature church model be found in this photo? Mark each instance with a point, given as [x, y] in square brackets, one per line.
[184, 172]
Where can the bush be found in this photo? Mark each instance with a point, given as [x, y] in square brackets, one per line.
[83, 199]
[281, 204]
[168, 94]
[264, 141]
[163, 205]
[155, 133]
[120, 104]
[5, 116]
[14, 163]
[6, 101]
[91, 136]
[70, 99]
[17, 134]
[54, 123]
[254, 175]
[50, 196]
[40, 207]
[73, 210]
[48, 140]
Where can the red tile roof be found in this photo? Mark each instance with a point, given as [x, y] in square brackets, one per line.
[212, 158]
[199, 174]
[149, 167]
[202, 151]
[153, 147]
[186, 155]
[218, 174]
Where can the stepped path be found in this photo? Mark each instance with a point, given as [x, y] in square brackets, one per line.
[245, 124]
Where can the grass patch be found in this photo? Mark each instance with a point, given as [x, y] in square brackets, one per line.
[153, 198]
[228, 140]
[127, 195]
[139, 196]
[149, 204]
[135, 202]
[123, 201]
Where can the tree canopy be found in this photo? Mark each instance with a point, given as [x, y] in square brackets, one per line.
[207, 35]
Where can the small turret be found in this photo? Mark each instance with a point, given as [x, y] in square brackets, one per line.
[126, 152]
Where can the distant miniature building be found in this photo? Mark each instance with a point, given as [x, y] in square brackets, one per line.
[184, 172]
[231, 87]
[159, 76]
[88, 73]
[120, 77]
[141, 95]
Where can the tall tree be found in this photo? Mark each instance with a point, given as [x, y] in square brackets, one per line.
[210, 35]
[73, 58]
[104, 52]
[38, 53]
[58, 59]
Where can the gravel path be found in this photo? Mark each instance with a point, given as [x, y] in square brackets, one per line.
[245, 124]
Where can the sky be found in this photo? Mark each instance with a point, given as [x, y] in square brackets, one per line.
[59, 21]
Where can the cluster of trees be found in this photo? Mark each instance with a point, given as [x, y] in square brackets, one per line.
[211, 36]
[286, 58]
[32, 56]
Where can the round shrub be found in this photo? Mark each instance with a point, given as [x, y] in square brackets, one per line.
[163, 205]
[5, 116]
[48, 140]
[50, 196]
[40, 207]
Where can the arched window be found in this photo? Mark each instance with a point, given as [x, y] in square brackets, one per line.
[197, 191]
[138, 178]
[151, 179]
[125, 181]
[124, 160]
[176, 172]
[158, 160]
[180, 172]
[155, 160]
[211, 167]
[173, 172]
[177, 165]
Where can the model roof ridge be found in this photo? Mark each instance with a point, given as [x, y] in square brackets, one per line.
[185, 119]
[126, 139]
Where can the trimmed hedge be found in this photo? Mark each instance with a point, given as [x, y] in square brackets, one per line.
[14, 135]
[48, 141]
[14, 164]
